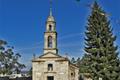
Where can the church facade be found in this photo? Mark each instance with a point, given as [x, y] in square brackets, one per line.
[50, 65]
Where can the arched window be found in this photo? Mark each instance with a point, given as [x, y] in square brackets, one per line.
[50, 27]
[50, 42]
[50, 67]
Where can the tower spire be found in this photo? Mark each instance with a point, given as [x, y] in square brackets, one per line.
[50, 17]
[50, 7]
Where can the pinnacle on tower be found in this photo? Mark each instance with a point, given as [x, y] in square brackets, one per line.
[50, 18]
[50, 7]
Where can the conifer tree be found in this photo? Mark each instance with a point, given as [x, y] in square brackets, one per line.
[101, 57]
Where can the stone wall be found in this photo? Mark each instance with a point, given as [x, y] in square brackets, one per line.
[60, 70]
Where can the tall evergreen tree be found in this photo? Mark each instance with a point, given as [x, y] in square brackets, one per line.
[101, 57]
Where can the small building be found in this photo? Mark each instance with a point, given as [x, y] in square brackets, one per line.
[50, 65]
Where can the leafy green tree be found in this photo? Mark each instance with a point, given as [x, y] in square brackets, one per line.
[73, 60]
[9, 60]
[30, 72]
[101, 57]
[2, 55]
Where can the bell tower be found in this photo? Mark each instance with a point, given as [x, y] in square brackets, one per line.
[50, 35]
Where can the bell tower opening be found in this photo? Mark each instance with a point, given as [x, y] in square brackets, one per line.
[50, 28]
[50, 42]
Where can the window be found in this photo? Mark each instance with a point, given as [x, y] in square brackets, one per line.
[50, 67]
[50, 77]
[50, 42]
[50, 27]
[71, 74]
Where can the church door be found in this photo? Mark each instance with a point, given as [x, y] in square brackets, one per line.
[50, 78]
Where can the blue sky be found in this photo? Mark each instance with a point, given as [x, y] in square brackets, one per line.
[22, 24]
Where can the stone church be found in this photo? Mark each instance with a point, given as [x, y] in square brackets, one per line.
[50, 65]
